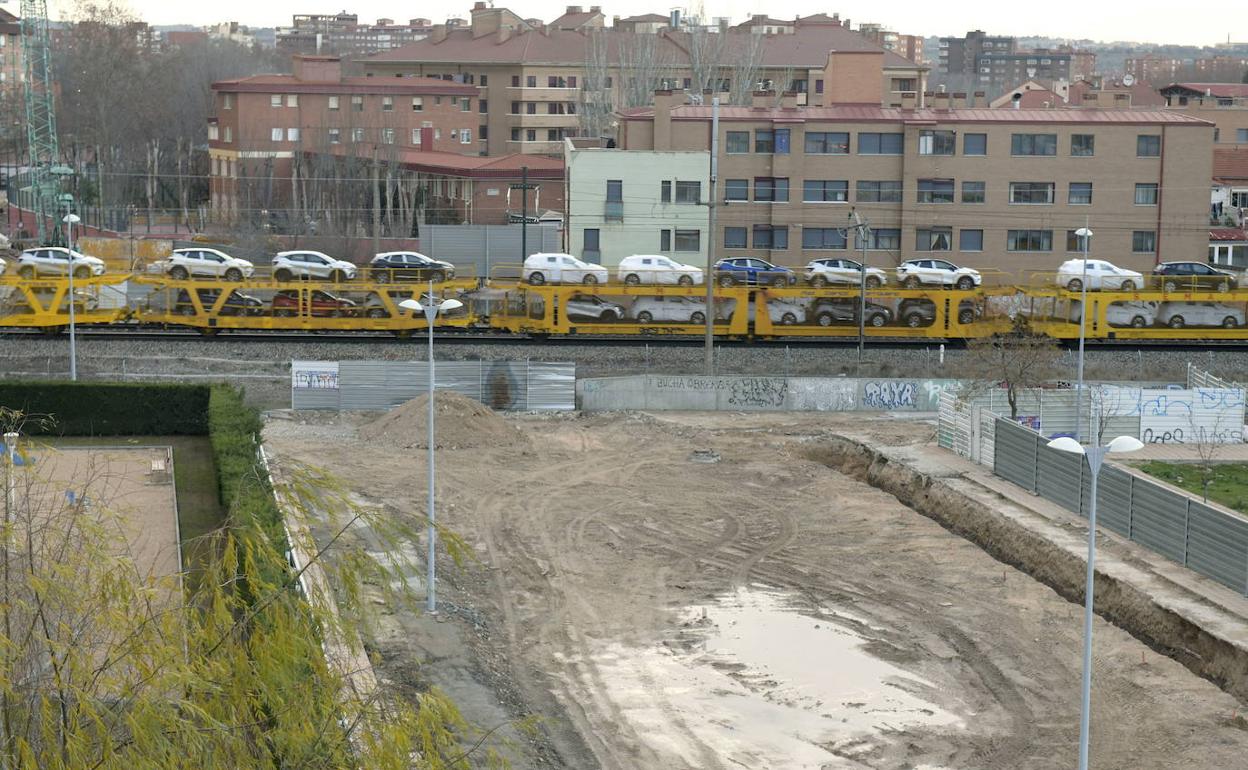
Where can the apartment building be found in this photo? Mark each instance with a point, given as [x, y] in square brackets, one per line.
[542, 83]
[1224, 104]
[992, 189]
[12, 62]
[995, 64]
[343, 34]
[1154, 68]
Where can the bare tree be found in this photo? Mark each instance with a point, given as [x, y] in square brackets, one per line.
[643, 62]
[747, 58]
[706, 58]
[595, 98]
[1016, 360]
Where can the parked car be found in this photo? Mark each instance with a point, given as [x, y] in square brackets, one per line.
[1101, 275]
[1180, 276]
[580, 307]
[562, 268]
[409, 266]
[917, 311]
[311, 264]
[1135, 314]
[287, 303]
[208, 263]
[653, 268]
[237, 303]
[829, 311]
[914, 273]
[821, 272]
[56, 260]
[749, 270]
[685, 310]
[1177, 315]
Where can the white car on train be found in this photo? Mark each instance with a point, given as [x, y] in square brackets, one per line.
[655, 268]
[1177, 315]
[562, 268]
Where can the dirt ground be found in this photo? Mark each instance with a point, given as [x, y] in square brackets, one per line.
[690, 591]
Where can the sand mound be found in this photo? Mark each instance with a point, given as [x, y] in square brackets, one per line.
[460, 423]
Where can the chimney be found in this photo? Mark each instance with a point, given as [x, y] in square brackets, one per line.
[503, 34]
[664, 102]
[960, 100]
[615, 21]
[788, 100]
[595, 9]
[1017, 100]
[439, 33]
[317, 68]
[940, 100]
[478, 6]
[674, 19]
[908, 100]
[573, 9]
[977, 97]
[761, 100]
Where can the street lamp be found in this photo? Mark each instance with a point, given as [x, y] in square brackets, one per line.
[1084, 235]
[1095, 456]
[431, 308]
[70, 220]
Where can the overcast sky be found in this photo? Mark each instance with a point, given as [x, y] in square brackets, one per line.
[1142, 20]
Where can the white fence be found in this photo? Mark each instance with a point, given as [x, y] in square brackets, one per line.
[967, 429]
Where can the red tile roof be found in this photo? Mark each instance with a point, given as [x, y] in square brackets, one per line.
[1228, 234]
[1230, 163]
[867, 114]
[290, 84]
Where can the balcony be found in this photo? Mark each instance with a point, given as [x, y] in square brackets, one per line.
[613, 211]
[543, 94]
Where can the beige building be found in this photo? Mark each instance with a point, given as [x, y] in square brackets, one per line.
[541, 83]
[1223, 104]
[991, 189]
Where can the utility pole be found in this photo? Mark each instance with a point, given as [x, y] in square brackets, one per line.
[524, 188]
[376, 206]
[862, 230]
[709, 363]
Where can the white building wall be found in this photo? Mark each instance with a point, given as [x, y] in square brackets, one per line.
[645, 215]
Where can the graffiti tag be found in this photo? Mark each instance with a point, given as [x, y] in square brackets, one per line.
[885, 394]
[758, 391]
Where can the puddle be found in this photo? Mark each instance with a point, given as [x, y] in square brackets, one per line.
[754, 682]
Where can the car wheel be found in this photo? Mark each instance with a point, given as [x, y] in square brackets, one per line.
[966, 317]
[877, 320]
[337, 276]
[1177, 322]
[912, 282]
[26, 272]
[819, 281]
[1075, 284]
[284, 313]
[437, 276]
[1229, 322]
[281, 274]
[590, 280]
[233, 274]
[1169, 286]
[914, 320]
[697, 317]
[873, 282]
[178, 273]
[824, 318]
[788, 319]
[780, 281]
[378, 312]
[644, 317]
[632, 279]
[685, 280]
[1127, 286]
[537, 278]
[727, 280]
[81, 272]
[1138, 322]
[965, 283]
[610, 317]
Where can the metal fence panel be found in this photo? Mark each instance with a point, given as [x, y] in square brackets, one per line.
[1014, 454]
[551, 386]
[1059, 477]
[1217, 545]
[987, 437]
[1115, 411]
[376, 385]
[1113, 499]
[1202, 415]
[1159, 519]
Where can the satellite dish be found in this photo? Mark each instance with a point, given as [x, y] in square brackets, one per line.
[1128, 79]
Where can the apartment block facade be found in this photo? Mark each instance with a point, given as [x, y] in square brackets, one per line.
[991, 189]
[343, 34]
[995, 64]
[1224, 104]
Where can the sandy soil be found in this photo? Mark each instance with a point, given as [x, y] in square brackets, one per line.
[689, 591]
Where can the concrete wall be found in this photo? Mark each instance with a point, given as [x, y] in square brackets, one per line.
[759, 394]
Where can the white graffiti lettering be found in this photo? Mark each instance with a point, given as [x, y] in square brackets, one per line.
[887, 395]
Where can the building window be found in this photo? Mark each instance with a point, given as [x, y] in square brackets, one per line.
[902, 84]
[970, 240]
[881, 144]
[688, 192]
[515, 134]
[515, 81]
[937, 142]
[357, 135]
[974, 144]
[276, 135]
[553, 108]
[735, 237]
[531, 134]
[1080, 194]
[387, 136]
[933, 239]
[737, 190]
[1144, 241]
[530, 108]
[229, 134]
[531, 81]
[485, 80]
[483, 106]
[738, 142]
[882, 239]
[227, 101]
[515, 108]
[771, 189]
[1074, 243]
[335, 136]
[333, 102]
[879, 192]
[418, 104]
[771, 237]
[1033, 144]
[1146, 195]
[973, 192]
[1029, 240]
[665, 240]
[552, 134]
[1241, 134]
[827, 143]
[665, 191]
[416, 136]
[765, 140]
[1148, 146]
[823, 238]
[1082, 145]
[825, 191]
[1031, 192]
[357, 103]
[465, 104]
[589, 242]
[688, 240]
[212, 133]
[935, 191]
[275, 100]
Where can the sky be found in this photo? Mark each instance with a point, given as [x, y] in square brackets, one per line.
[1157, 21]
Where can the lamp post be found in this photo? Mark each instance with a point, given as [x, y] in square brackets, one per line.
[1085, 235]
[1095, 456]
[70, 220]
[430, 308]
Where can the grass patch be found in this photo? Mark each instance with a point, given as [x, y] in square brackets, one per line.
[1228, 485]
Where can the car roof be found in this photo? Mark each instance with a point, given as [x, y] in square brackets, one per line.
[303, 251]
[401, 253]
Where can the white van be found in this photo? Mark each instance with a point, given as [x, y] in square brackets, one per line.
[655, 268]
[1101, 275]
[562, 268]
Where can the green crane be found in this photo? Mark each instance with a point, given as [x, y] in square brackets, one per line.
[41, 194]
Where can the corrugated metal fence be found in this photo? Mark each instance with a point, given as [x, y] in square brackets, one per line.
[370, 385]
[1209, 541]
[967, 429]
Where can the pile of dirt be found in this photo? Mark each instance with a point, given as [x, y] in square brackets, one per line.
[460, 423]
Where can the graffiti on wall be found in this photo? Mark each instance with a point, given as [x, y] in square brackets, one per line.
[889, 394]
[819, 394]
[758, 392]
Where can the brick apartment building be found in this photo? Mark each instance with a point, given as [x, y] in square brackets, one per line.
[988, 188]
[343, 34]
[535, 79]
[1224, 104]
[994, 64]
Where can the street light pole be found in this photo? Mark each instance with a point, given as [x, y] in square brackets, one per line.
[70, 220]
[709, 357]
[861, 231]
[1085, 235]
[1096, 457]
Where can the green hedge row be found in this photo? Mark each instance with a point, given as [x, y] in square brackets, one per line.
[109, 409]
[233, 428]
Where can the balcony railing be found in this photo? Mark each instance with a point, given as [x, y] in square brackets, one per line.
[614, 211]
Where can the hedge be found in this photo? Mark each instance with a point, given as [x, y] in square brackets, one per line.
[109, 409]
[242, 483]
